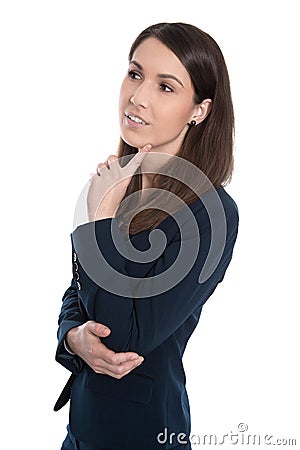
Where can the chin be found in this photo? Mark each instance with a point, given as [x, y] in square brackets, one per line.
[137, 143]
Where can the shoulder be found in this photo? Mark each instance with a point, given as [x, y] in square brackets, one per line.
[228, 202]
[214, 209]
[215, 203]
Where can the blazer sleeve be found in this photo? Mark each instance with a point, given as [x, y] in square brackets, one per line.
[141, 317]
[70, 316]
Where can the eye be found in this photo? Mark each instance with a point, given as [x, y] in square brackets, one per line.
[165, 88]
[134, 75]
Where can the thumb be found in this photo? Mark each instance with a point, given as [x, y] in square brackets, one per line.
[137, 160]
[146, 148]
[99, 329]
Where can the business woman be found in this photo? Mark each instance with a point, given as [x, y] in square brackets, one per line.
[160, 235]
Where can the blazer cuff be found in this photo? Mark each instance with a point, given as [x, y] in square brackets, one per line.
[68, 359]
[68, 348]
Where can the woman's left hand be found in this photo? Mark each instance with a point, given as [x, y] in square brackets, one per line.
[108, 185]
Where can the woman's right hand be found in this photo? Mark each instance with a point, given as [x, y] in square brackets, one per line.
[85, 342]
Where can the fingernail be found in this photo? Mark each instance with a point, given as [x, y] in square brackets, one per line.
[147, 148]
[134, 357]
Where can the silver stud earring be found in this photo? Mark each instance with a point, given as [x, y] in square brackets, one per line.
[192, 123]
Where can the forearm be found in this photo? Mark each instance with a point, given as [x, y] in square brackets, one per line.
[144, 312]
[70, 317]
[141, 323]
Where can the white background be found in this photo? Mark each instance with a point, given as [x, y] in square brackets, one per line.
[61, 66]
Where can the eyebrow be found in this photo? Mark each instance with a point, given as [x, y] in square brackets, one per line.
[160, 75]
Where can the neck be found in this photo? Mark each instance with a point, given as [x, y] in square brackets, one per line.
[146, 180]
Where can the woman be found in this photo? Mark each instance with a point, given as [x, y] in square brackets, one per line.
[159, 239]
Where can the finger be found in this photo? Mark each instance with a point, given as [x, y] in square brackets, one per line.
[137, 160]
[107, 162]
[115, 359]
[110, 160]
[116, 370]
[109, 356]
[110, 373]
[146, 148]
[124, 357]
[100, 168]
[98, 329]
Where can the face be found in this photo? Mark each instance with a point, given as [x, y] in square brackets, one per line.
[156, 99]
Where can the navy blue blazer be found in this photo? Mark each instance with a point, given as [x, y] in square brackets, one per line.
[130, 413]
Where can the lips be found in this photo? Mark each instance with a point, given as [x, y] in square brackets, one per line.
[136, 118]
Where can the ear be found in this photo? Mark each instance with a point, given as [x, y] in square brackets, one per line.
[201, 111]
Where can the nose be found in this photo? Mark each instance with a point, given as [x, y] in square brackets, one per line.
[141, 96]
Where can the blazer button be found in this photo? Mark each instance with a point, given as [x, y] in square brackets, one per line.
[76, 275]
[74, 256]
[78, 285]
[75, 266]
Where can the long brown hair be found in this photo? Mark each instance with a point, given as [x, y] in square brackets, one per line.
[209, 145]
